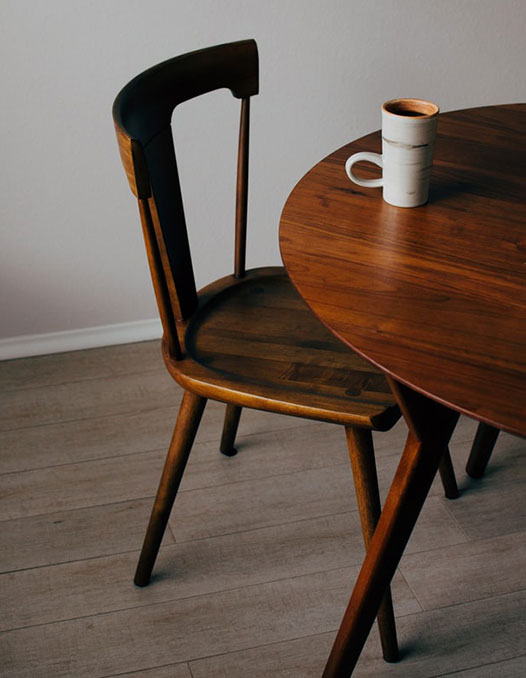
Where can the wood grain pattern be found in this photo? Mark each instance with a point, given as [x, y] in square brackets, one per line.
[256, 344]
[434, 296]
[438, 292]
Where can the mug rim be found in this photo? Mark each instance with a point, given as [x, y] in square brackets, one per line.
[415, 104]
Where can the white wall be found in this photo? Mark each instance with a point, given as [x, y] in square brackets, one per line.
[71, 254]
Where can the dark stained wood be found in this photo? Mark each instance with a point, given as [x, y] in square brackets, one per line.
[480, 454]
[228, 437]
[254, 343]
[361, 453]
[242, 190]
[447, 476]
[248, 339]
[145, 105]
[142, 115]
[434, 295]
[415, 473]
[160, 282]
[166, 207]
[190, 413]
[134, 164]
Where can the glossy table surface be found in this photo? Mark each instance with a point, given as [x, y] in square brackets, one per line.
[435, 295]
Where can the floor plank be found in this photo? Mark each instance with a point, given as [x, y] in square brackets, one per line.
[50, 445]
[98, 437]
[268, 542]
[60, 368]
[105, 479]
[512, 668]
[180, 631]
[501, 491]
[169, 671]
[63, 537]
[434, 644]
[308, 494]
[101, 585]
[481, 569]
[85, 399]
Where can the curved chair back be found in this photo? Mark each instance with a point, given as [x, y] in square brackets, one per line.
[142, 114]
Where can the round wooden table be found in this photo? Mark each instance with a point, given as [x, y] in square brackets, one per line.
[435, 296]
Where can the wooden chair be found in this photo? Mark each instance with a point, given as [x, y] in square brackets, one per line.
[248, 339]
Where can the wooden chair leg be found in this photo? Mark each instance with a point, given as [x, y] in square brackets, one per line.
[483, 445]
[361, 452]
[190, 413]
[447, 475]
[430, 428]
[232, 414]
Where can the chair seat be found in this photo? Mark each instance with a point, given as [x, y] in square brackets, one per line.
[253, 341]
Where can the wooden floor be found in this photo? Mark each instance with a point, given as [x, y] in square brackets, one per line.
[262, 550]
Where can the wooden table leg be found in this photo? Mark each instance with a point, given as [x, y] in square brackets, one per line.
[430, 428]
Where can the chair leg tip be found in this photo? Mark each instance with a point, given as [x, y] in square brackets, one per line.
[141, 581]
[392, 657]
[476, 474]
[229, 452]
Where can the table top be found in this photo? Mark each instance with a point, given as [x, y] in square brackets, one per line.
[435, 295]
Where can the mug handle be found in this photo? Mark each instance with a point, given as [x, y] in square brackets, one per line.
[375, 158]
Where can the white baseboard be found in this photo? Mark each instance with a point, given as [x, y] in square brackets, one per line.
[76, 340]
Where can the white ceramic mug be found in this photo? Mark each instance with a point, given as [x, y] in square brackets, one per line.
[408, 135]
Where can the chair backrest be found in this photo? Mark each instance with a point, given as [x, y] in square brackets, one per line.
[142, 113]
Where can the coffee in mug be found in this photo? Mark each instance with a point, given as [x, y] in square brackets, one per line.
[408, 136]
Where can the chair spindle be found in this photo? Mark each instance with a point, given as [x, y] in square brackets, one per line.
[242, 190]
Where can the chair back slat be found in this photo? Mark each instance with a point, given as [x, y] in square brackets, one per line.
[134, 163]
[242, 191]
[155, 262]
[142, 114]
[170, 223]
